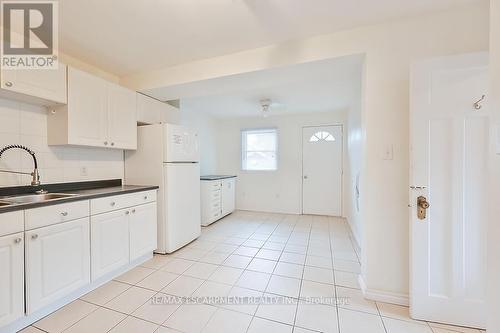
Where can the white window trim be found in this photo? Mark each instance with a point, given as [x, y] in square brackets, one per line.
[244, 151]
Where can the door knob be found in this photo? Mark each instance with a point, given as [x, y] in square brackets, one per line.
[422, 206]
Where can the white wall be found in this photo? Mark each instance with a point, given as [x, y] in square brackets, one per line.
[494, 225]
[207, 133]
[390, 49]
[269, 191]
[354, 163]
[27, 125]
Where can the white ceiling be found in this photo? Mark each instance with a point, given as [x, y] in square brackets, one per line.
[130, 36]
[320, 86]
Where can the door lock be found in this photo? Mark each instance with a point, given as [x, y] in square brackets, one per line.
[422, 206]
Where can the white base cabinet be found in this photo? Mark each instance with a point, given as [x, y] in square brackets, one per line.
[109, 242]
[50, 255]
[57, 262]
[217, 199]
[11, 278]
[124, 229]
[143, 230]
[228, 195]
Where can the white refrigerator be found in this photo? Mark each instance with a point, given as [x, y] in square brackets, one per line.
[168, 156]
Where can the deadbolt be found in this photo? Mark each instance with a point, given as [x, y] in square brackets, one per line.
[422, 206]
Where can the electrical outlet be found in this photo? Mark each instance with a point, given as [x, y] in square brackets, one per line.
[84, 171]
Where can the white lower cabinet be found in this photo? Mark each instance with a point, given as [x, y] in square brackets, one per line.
[217, 199]
[109, 242]
[228, 196]
[11, 278]
[143, 226]
[52, 254]
[57, 262]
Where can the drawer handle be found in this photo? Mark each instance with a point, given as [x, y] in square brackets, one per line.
[64, 213]
[127, 212]
[8, 84]
[113, 203]
[18, 240]
[145, 197]
[112, 143]
[133, 210]
[105, 143]
[35, 236]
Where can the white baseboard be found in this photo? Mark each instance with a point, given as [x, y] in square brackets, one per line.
[383, 296]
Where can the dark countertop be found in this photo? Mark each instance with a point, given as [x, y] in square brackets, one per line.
[216, 177]
[84, 191]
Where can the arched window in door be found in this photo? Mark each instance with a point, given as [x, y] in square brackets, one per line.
[322, 136]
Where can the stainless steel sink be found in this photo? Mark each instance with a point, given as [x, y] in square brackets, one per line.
[34, 198]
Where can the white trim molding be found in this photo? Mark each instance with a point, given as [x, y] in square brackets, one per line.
[383, 296]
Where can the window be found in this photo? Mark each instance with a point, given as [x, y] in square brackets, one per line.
[258, 149]
[321, 136]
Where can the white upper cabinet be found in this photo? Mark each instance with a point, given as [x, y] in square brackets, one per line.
[86, 110]
[152, 111]
[38, 86]
[12, 278]
[98, 114]
[122, 115]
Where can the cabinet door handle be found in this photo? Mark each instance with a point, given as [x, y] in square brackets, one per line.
[127, 212]
[35, 236]
[113, 204]
[8, 84]
[18, 240]
[64, 213]
[112, 143]
[145, 197]
[133, 210]
[105, 143]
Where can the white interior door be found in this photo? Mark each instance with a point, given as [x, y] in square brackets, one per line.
[322, 170]
[449, 146]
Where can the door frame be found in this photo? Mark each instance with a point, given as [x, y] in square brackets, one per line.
[342, 159]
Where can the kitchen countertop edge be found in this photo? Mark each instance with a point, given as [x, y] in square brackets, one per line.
[87, 194]
[216, 177]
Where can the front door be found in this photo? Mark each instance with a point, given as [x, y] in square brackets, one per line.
[322, 170]
[449, 147]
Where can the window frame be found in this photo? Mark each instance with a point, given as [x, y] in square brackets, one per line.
[244, 151]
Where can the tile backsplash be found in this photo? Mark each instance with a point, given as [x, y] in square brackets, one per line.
[26, 124]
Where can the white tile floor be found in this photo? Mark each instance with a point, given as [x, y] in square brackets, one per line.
[287, 258]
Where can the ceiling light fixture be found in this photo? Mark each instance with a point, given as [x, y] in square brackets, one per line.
[265, 105]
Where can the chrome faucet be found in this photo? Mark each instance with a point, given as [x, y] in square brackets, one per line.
[35, 175]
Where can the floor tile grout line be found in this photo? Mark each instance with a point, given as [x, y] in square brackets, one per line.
[280, 228]
[301, 282]
[381, 318]
[334, 278]
[65, 329]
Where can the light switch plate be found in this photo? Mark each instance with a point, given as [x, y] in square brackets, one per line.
[388, 152]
